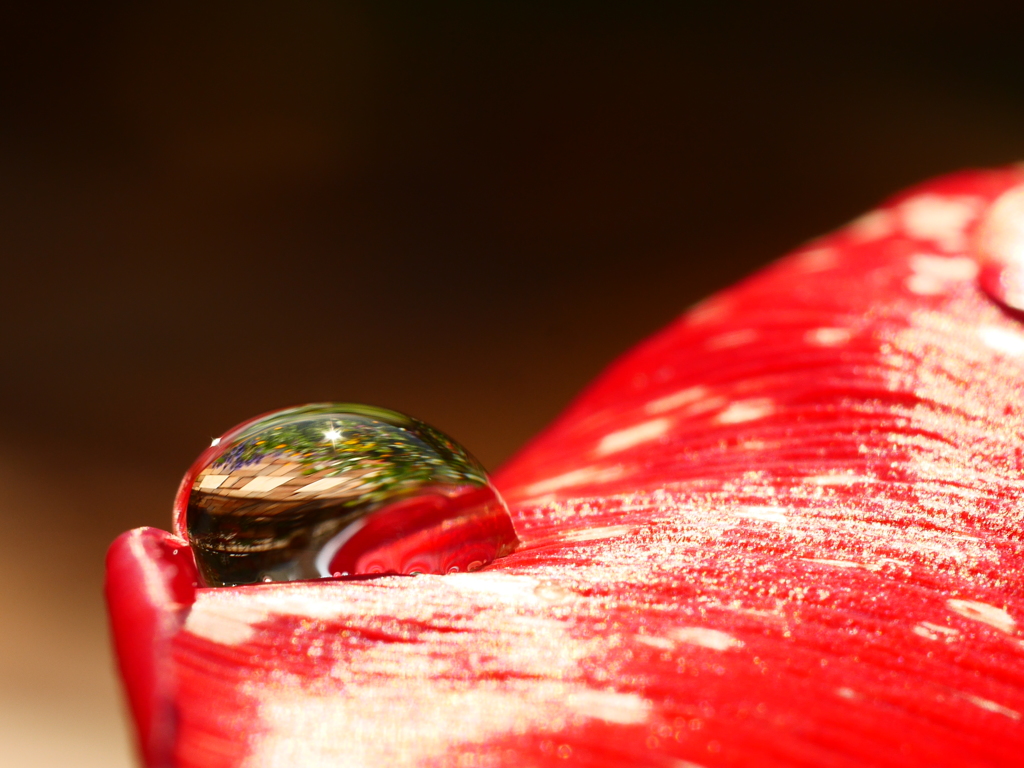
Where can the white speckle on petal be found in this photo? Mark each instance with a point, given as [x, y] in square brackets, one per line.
[847, 693]
[818, 259]
[233, 628]
[746, 410]
[661, 643]
[947, 268]
[751, 445]
[872, 225]
[934, 275]
[983, 612]
[991, 706]
[708, 311]
[950, 631]
[834, 563]
[940, 219]
[714, 639]
[705, 406]
[685, 764]
[293, 716]
[610, 706]
[552, 593]
[597, 534]
[631, 436]
[508, 588]
[218, 615]
[573, 478]
[828, 337]
[926, 285]
[930, 631]
[677, 399]
[733, 339]
[768, 514]
[1002, 340]
[838, 479]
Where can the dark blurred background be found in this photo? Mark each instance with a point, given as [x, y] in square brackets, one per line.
[461, 211]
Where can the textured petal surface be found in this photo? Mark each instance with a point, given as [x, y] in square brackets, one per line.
[785, 531]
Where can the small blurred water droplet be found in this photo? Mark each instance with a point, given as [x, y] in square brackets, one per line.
[1000, 245]
[327, 489]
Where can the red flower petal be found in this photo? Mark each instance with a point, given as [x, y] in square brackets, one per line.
[783, 531]
[151, 582]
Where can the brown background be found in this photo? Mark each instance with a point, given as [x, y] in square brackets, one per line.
[462, 212]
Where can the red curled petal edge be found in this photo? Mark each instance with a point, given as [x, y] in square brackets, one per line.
[151, 582]
[785, 531]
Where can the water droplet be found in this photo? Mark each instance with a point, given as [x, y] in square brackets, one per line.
[327, 489]
[1000, 245]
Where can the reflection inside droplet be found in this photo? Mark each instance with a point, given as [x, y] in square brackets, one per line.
[332, 490]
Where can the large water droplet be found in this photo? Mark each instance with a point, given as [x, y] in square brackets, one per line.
[1000, 244]
[335, 490]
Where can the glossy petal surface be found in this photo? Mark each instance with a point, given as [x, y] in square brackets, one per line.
[785, 531]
